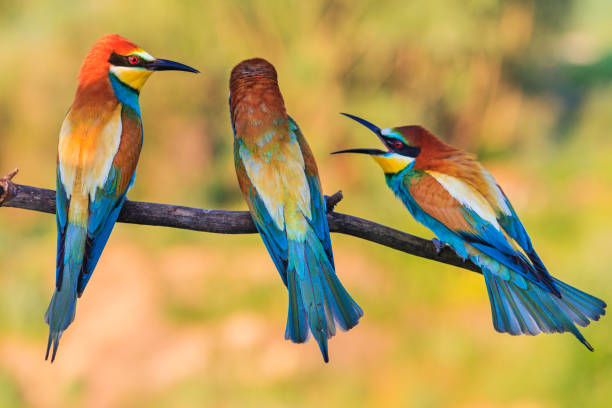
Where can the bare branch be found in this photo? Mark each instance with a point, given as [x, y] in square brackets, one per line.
[235, 222]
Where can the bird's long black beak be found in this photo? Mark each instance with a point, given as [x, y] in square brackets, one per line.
[371, 152]
[167, 65]
[367, 124]
[364, 122]
[373, 128]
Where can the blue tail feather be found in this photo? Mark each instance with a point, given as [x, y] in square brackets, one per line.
[532, 310]
[593, 307]
[316, 295]
[62, 308]
[297, 329]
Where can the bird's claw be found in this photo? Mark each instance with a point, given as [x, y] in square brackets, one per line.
[439, 245]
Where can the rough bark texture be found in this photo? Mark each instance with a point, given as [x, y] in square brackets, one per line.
[234, 222]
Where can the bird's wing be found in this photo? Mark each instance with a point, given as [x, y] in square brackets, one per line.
[269, 221]
[106, 203]
[509, 220]
[318, 208]
[275, 175]
[466, 211]
[62, 204]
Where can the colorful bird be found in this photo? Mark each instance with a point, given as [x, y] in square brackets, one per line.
[279, 181]
[98, 150]
[452, 194]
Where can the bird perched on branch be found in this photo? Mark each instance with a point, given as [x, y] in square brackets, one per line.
[279, 181]
[98, 150]
[452, 194]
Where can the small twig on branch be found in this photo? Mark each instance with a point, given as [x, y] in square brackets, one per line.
[7, 188]
[235, 222]
[332, 201]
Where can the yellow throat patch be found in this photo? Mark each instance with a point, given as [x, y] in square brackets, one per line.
[392, 162]
[134, 77]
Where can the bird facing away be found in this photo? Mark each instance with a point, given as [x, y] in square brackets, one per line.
[98, 150]
[453, 195]
[279, 180]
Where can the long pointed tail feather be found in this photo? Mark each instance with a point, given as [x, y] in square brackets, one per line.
[62, 308]
[520, 307]
[59, 315]
[317, 299]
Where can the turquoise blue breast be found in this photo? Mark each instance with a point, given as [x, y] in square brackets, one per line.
[126, 95]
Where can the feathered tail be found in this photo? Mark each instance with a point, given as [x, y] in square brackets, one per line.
[521, 307]
[62, 308]
[316, 296]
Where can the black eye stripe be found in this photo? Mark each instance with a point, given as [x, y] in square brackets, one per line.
[124, 61]
[410, 151]
[404, 150]
[116, 59]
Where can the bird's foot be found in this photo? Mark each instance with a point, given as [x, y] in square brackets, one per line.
[438, 244]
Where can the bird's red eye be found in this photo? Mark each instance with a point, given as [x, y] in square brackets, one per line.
[133, 59]
[397, 144]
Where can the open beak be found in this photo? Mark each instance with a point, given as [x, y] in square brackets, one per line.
[167, 65]
[371, 152]
[373, 128]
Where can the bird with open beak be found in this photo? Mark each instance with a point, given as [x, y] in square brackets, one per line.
[452, 194]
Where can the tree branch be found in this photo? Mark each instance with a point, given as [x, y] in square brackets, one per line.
[234, 222]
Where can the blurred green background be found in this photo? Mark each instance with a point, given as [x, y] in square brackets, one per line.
[179, 318]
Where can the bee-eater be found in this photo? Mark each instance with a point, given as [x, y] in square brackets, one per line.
[452, 194]
[279, 180]
[98, 150]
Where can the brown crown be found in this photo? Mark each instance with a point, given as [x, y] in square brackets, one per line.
[252, 70]
[253, 84]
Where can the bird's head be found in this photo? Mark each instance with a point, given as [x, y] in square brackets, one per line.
[130, 64]
[252, 80]
[402, 146]
[254, 69]
[255, 99]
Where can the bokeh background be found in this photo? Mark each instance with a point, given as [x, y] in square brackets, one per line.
[179, 318]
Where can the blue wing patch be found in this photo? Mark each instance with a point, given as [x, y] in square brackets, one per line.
[274, 239]
[318, 208]
[62, 204]
[494, 243]
[103, 213]
[513, 227]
